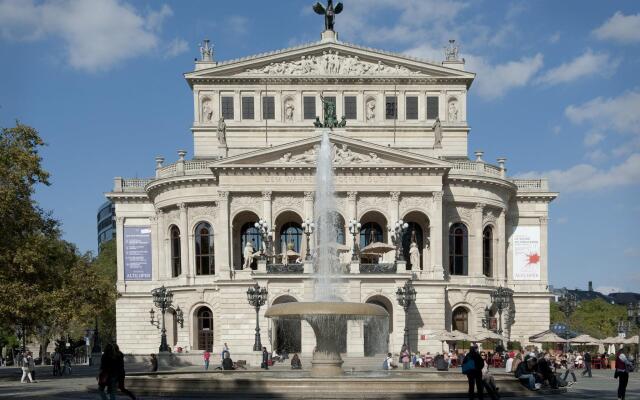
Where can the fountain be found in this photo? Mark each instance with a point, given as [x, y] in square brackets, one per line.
[326, 316]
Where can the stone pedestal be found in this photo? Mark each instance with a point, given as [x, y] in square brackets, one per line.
[164, 360]
[401, 266]
[329, 36]
[262, 266]
[308, 267]
[354, 267]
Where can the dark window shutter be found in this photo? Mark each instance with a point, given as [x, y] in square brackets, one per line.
[247, 108]
[432, 107]
[391, 107]
[350, 107]
[412, 107]
[227, 107]
[309, 103]
[268, 107]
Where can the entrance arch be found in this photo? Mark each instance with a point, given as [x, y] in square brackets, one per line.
[286, 333]
[243, 231]
[204, 328]
[377, 330]
[460, 319]
[419, 231]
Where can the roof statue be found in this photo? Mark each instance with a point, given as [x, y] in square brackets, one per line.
[329, 13]
[206, 52]
[451, 51]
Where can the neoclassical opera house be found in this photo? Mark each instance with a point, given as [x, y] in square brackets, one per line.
[400, 153]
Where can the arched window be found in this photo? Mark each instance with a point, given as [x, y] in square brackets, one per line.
[339, 224]
[205, 329]
[460, 320]
[204, 249]
[370, 232]
[413, 232]
[458, 249]
[176, 268]
[487, 251]
[291, 232]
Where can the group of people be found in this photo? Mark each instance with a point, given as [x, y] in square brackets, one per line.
[269, 359]
[112, 374]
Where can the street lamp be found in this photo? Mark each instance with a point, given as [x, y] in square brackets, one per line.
[266, 234]
[568, 304]
[624, 327]
[501, 298]
[257, 296]
[399, 228]
[406, 295]
[486, 321]
[633, 313]
[163, 299]
[309, 226]
[354, 229]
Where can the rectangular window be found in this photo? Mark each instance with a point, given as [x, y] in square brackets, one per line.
[411, 107]
[332, 100]
[350, 107]
[432, 107]
[226, 107]
[391, 110]
[247, 108]
[268, 107]
[309, 103]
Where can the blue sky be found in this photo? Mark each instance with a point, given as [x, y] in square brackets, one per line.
[557, 93]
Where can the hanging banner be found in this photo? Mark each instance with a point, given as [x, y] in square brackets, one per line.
[137, 253]
[526, 253]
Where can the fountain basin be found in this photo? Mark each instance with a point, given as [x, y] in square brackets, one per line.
[328, 321]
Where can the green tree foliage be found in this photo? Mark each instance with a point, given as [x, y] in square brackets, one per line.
[45, 284]
[593, 317]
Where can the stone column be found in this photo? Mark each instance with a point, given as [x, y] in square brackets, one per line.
[308, 205]
[352, 213]
[223, 243]
[160, 238]
[501, 247]
[394, 211]
[544, 250]
[437, 236]
[475, 241]
[184, 244]
[266, 206]
[120, 247]
[155, 246]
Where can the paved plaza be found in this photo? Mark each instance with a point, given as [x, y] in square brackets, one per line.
[601, 386]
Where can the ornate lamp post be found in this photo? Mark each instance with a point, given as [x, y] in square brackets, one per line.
[633, 313]
[354, 229]
[309, 226]
[257, 296]
[568, 304]
[163, 299]
[501, 297]
[624, 327]
[399, 228]
[486, 321]
[266, 234]
[406, 295]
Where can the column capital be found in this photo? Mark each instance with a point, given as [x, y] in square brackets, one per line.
[159, 212]
[352, 195]
[223, 194]
[437, 196]
[119, 220]
[182, 206]
[153, 219]
[480, 206]
[395, 196]
[309, 195]
[266, 194]
[543, 220]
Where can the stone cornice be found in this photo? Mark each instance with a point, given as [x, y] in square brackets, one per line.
[331, 80]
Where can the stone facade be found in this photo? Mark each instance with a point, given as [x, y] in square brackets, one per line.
[260, 164]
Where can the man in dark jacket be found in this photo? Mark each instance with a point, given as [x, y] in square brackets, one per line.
[475, 375]
[227, 363]
[265, 358]
[544, 368]
[526, 373]
[587, 364]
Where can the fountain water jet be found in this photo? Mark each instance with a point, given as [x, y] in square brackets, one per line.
[326, 316]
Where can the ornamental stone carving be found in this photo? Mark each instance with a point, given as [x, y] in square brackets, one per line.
[223, 195]
[341, 155]
[437, 197]
[208, 211]
[289, 109]
[331, 63]
[352, 195]
[207, 110]
[309, 195]
[453, 110]
[490, 216]
[395, 196]
[373, 202]
[245, 202]
[411, 202]
[371, 110]
[266, 195]
[455, 214]
[294, 203]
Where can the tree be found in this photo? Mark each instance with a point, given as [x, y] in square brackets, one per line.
[593, 317]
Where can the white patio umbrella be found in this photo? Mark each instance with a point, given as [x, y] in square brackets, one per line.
[489, 335]
[632, 340]
[548, 337]
[613, 340]
[377, 248]
[585, 339]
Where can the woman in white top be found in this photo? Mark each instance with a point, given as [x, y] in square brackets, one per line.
[509, 363]
[25, 369]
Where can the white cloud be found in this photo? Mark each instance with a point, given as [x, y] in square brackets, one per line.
[620, 113]
[596, 156]
[493, 81]
[620, 28]
[237, 25]
[96, 35]
[593, 138]
[587, 178]
[555, 38]
[176, 47]
[587, 64]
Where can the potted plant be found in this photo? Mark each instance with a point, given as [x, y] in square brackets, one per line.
[612, 361]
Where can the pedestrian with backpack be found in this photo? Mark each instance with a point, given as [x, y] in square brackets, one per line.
[472, 365]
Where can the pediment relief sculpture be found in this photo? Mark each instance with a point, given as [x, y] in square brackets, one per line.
[331, 63]
[341, 155]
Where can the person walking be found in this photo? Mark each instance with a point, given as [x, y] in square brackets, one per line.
[120, 372]
[265, 358]
[587, 364]
[571, 366]
[206, 356]
[56, 363]
[25, 369]
[32, 366]
[108, 374]
[472, 366]
[405, 357]
[623, 366]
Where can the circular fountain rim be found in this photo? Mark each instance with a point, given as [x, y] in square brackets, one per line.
[303, 309]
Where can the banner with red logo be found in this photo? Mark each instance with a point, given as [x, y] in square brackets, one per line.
[526, 253]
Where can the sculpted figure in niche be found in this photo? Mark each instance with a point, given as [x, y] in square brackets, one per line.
[371, 110]
[222, 131]
[453, 111]
[437, 131]
[207, 111]
[414, 255]
[248, 255]
[288, 111]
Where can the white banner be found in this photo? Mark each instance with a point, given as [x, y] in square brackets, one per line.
[526, 253]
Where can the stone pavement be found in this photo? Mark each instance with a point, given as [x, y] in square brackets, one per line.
[601, 386]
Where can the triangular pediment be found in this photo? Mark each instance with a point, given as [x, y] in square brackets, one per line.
[328, 59]
[346, 152]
